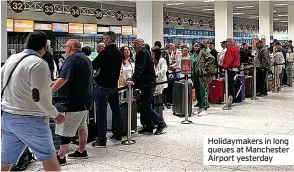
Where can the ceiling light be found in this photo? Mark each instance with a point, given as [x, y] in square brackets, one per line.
[283, 15]
[245, 7]
[208, 10]
[276, 19]
[209, 1]
[274, 11]
[253, 17]
[238, 13]
[280, 4]
[284, 21]
[175, 4]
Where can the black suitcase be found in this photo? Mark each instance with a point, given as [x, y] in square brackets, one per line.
[179, 99]
[157, 104]
[124, 110]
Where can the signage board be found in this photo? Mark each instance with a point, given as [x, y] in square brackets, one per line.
[134, 30]
[186, 66]
[23, 26]
[103, 29]
[59, 27]
[115, 29]
[127, 30]
[90, 28]
[43, 26]
[75, 28]
[9, 25]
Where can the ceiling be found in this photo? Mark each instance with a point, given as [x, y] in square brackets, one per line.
[195, 9]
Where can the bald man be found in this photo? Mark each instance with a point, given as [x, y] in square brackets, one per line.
[144, 79]
[75, 91]
[100, 47]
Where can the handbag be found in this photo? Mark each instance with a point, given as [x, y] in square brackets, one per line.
[10, 75]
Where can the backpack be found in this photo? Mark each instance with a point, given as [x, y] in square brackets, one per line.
[23, 161]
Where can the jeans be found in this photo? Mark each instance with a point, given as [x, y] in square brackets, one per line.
[231, 84]
[148, 115]
[103, 96]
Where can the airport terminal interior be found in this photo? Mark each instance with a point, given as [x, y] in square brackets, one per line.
[179, 27]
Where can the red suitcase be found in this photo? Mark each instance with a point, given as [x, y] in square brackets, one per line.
[216, 91]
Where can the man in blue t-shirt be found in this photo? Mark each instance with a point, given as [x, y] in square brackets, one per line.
[75, 91]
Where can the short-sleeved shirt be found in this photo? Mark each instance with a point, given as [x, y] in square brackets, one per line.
[76, 94]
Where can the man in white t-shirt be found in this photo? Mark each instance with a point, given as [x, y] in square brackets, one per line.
[27, 106]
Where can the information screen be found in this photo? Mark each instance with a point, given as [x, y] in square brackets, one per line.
[75, 28]
[59, 27]
[42, 26]
[90, 28]
[134, 30]
[23, 26]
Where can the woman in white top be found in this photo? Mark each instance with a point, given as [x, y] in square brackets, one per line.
[160, 67]
[128, 65]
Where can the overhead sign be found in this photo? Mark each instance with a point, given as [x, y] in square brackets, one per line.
[99, 14]
[48, 9]
[9, 25]
[179, 21]
[17, 6]
[119, 16]
[102, 29]
[134, 30]
[75, 11]
[23, 26]
[191, 22]
[127, 30]
[43, 26]
[90, 28]
[59, 27]
[75, 28]
[166, 20]
[115, 29]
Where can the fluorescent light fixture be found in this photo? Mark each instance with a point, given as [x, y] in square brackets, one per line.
[238, 13]
[208, 10]
[280, 4]
[284, 21]
[253, 17]
[283, 15]
[175, 4]
[274, 11]
[209, 1]
[276, 19]
[245, 7]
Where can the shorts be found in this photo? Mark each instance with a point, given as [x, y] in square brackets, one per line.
[21, 131]
[73, 122]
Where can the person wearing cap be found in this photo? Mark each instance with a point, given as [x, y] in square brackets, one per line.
[221, 56]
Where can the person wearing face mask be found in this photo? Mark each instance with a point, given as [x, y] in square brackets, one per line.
[75, 91]
[203, 64]
[27, 106]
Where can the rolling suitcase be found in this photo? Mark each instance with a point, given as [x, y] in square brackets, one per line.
[289, 76]
[240, 88]
[158, 104]
[249, 86]
[124, 110]
[216, 91]
[179, 98]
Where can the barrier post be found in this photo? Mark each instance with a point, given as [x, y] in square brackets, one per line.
[226, 106]
[129, 100]
[275, 81]
[254, 84]
[186, 121]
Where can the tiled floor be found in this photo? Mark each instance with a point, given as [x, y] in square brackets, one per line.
[180, 149]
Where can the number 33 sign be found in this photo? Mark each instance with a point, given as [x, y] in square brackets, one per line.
[48, 9]
[17, 6]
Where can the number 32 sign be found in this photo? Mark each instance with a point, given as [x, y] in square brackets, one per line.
[17, 6]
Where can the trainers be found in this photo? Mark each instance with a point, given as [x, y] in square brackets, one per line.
[114, 138]
[160, 128]
[77, 154]
[203, 113]
[146, 130]
[198, 111]
[62, 161]
[98, 143]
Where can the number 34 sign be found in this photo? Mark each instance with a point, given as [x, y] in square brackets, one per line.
[17, 6]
